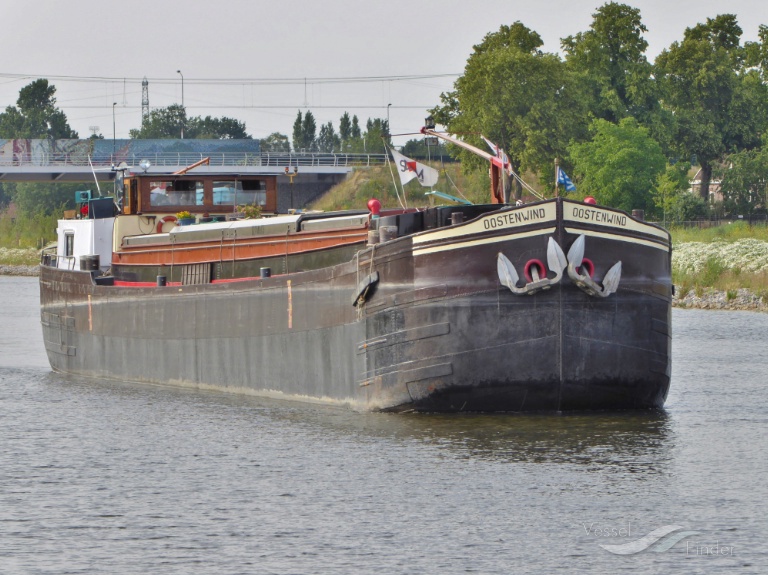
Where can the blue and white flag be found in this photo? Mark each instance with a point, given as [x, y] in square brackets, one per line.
[563, 179]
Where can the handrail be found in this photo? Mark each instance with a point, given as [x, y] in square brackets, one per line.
[279, 159]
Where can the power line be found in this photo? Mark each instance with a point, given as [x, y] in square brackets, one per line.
[261, 107]
[236, 81]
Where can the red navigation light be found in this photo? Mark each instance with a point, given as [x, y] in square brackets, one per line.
[590, 200]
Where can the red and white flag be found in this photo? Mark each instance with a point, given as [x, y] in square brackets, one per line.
[409, 169]
[499, 153]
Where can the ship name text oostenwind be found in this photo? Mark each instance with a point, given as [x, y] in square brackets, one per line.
[514, 218]
[599, 216]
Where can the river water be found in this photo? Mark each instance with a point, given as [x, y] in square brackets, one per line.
[122, 478]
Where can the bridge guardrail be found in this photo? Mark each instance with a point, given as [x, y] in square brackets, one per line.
[186, 159]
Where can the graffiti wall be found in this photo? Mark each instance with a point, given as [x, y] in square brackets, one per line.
[78, 152]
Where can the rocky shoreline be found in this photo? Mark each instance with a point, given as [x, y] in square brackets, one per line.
[20, 270]
[741, 300]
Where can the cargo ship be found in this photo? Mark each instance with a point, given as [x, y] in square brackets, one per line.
[553, 305]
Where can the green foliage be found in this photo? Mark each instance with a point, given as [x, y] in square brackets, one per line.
[32, 198]
[376, 137]
[250, 211]
[745, 181]
[417, 149]
[345, 127]
[517, 37]
[5, 197]
[718, 103]
[728, 233]
[366, 183]
[672, 198]
[327, 140]
[520, 98]
[620, 165]
[36, 115]
[27, 231]
[689, 207]
[275, 142]
[215, 128]
[611, 63]
[166, 123]
[304, 132]
[713, 269]
[162, 123]
[350, 137]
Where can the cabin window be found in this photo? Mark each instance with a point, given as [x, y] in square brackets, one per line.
[238, 193]
[176, 193]
[69, 244]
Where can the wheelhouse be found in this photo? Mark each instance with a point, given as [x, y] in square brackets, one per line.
[198, 193]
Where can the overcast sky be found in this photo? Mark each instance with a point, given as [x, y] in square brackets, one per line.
[248, 59]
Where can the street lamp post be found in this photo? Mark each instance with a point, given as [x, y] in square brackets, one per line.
[182, 102]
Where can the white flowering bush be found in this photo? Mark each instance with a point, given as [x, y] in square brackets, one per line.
[748, 255]
[19, 256]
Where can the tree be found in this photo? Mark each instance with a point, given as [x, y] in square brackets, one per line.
[327, 140]
[354, 142]
[376, 137]
[418, 149]
[33, 198]
[36, 115]
[610, 60]
[275, 142]
[345, 127]
[162, 123]
[745, 181]
[620, 165]
[718, 104]
[522, 99]
[166, 123]
[355, 132]
[5, 197]
[309, 130]
[304, 130]
[673, 198]
[216, 128]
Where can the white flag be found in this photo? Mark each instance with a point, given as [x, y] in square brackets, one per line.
[409, 169]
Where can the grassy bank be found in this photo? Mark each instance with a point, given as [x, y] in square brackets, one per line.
[726, 258]
[27, 232]
[362, 185]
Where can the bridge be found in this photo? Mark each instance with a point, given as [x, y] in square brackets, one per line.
[59, 161]
[64, 167]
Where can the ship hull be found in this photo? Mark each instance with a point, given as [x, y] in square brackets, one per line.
[420, 323]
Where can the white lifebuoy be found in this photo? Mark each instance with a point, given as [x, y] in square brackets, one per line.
[163, 221]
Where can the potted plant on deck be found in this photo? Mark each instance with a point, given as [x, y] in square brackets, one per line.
[250, 211]
[184, 218]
